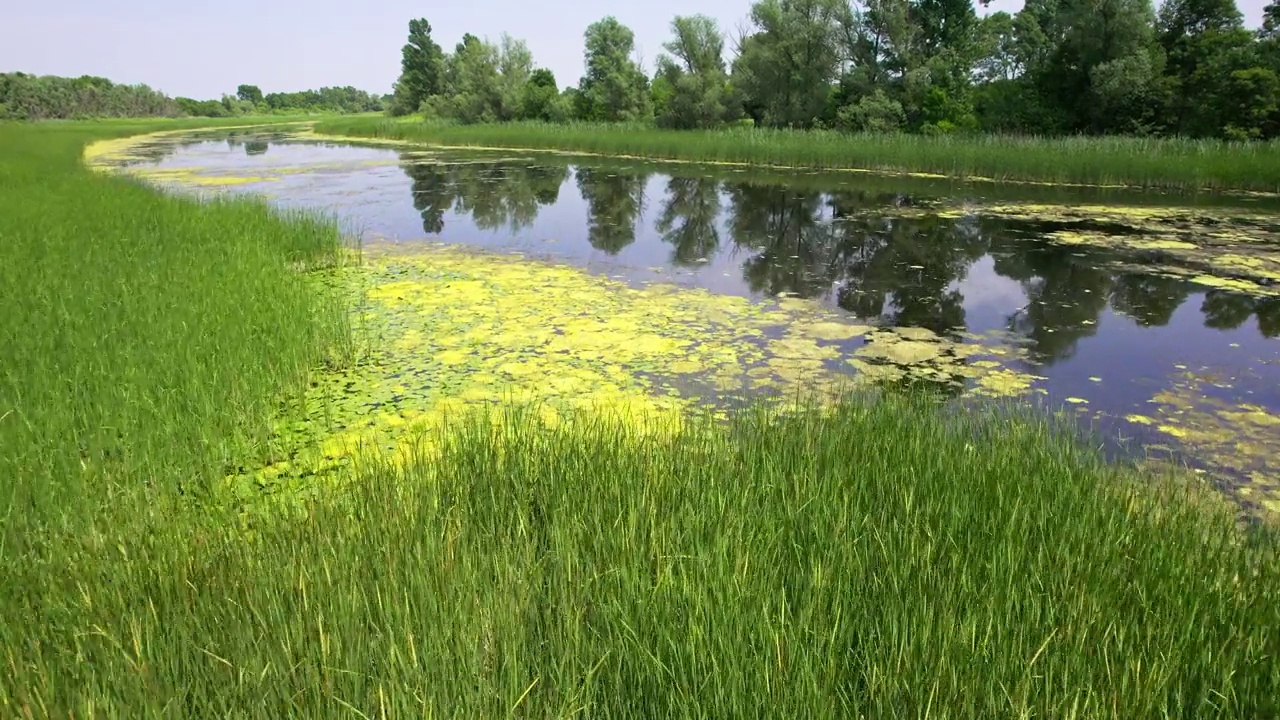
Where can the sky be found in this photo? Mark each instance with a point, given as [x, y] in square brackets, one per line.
[205, 50]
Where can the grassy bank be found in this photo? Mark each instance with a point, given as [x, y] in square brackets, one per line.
[892, 560]
[1140, 162]
[143, 336]
[886, 562]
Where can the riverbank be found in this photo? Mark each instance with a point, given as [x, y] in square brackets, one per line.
[1185, 165]
[877, 559]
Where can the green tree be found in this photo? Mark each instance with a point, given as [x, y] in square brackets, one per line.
[788, 64]
[614, 87]
[472, 87]
[541, 100]
[249, 93]
[997, 56]
[1084, 59]
[1250, 104]
[1270, 29]
[692, 89]
[515, 69]
[1204, 42]
[421, 67]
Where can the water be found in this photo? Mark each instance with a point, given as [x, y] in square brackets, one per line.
[1153, 341]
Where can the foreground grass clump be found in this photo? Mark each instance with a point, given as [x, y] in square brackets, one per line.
[1141, 162]
[889, 560]
[144, 337]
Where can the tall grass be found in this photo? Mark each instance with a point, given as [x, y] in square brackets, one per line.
[1141, 162]
[143, 337]
[889, 561]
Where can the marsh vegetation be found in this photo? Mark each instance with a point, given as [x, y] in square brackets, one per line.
[866, 554]
[851, 408]
[1105, 161]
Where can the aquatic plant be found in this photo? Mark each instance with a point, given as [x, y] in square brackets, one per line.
[457, 327]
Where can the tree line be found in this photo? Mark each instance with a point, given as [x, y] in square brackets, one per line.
[49, 97]
[1056, 67]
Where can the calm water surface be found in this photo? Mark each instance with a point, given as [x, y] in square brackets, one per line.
[1108, 333]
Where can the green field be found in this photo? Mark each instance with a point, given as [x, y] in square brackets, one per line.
[1115, 160]
[886, 559]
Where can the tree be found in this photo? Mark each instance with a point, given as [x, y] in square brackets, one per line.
[249, 93]
[697, 44]
[1067, 41]
[614, 87]
[541, 99]
[1250, 104]
[515, 68]
[1196, 36]
[421, 66]
[692, 87]
[1270, 29]
[997, 54]
[471, 90]
[786, 67]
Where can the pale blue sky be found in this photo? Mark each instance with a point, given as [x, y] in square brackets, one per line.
[282, 45]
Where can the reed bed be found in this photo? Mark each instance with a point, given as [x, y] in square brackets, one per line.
[1120, 161]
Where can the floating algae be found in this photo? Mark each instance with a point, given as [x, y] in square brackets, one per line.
[456, 328]
[1239, 441]
[1230, 250]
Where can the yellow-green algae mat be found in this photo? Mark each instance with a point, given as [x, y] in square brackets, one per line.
[1220, 248]
[1237, 436]
[452, 328]
[127, 155]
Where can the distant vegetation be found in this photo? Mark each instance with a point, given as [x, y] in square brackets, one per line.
[250, 100]
[1056, 67]
[49, 97]
[1140, 162]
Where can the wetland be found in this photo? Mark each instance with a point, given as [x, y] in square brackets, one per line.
[559, 393]
[1151, 318]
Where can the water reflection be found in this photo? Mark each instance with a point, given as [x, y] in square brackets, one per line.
[494, 195]
[904, 270]
[689, 219]
[875, 254]
[252, 144]
[615, 202]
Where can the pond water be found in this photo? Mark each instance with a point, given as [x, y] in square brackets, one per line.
[1153, 316]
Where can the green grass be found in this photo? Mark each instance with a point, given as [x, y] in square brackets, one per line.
[1140, 162]
[885, 562]
[892, 560]
[143, 336]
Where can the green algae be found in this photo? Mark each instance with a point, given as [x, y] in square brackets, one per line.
[455, 328]
[1239, 442]
[1226, 249]
[195, 177]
